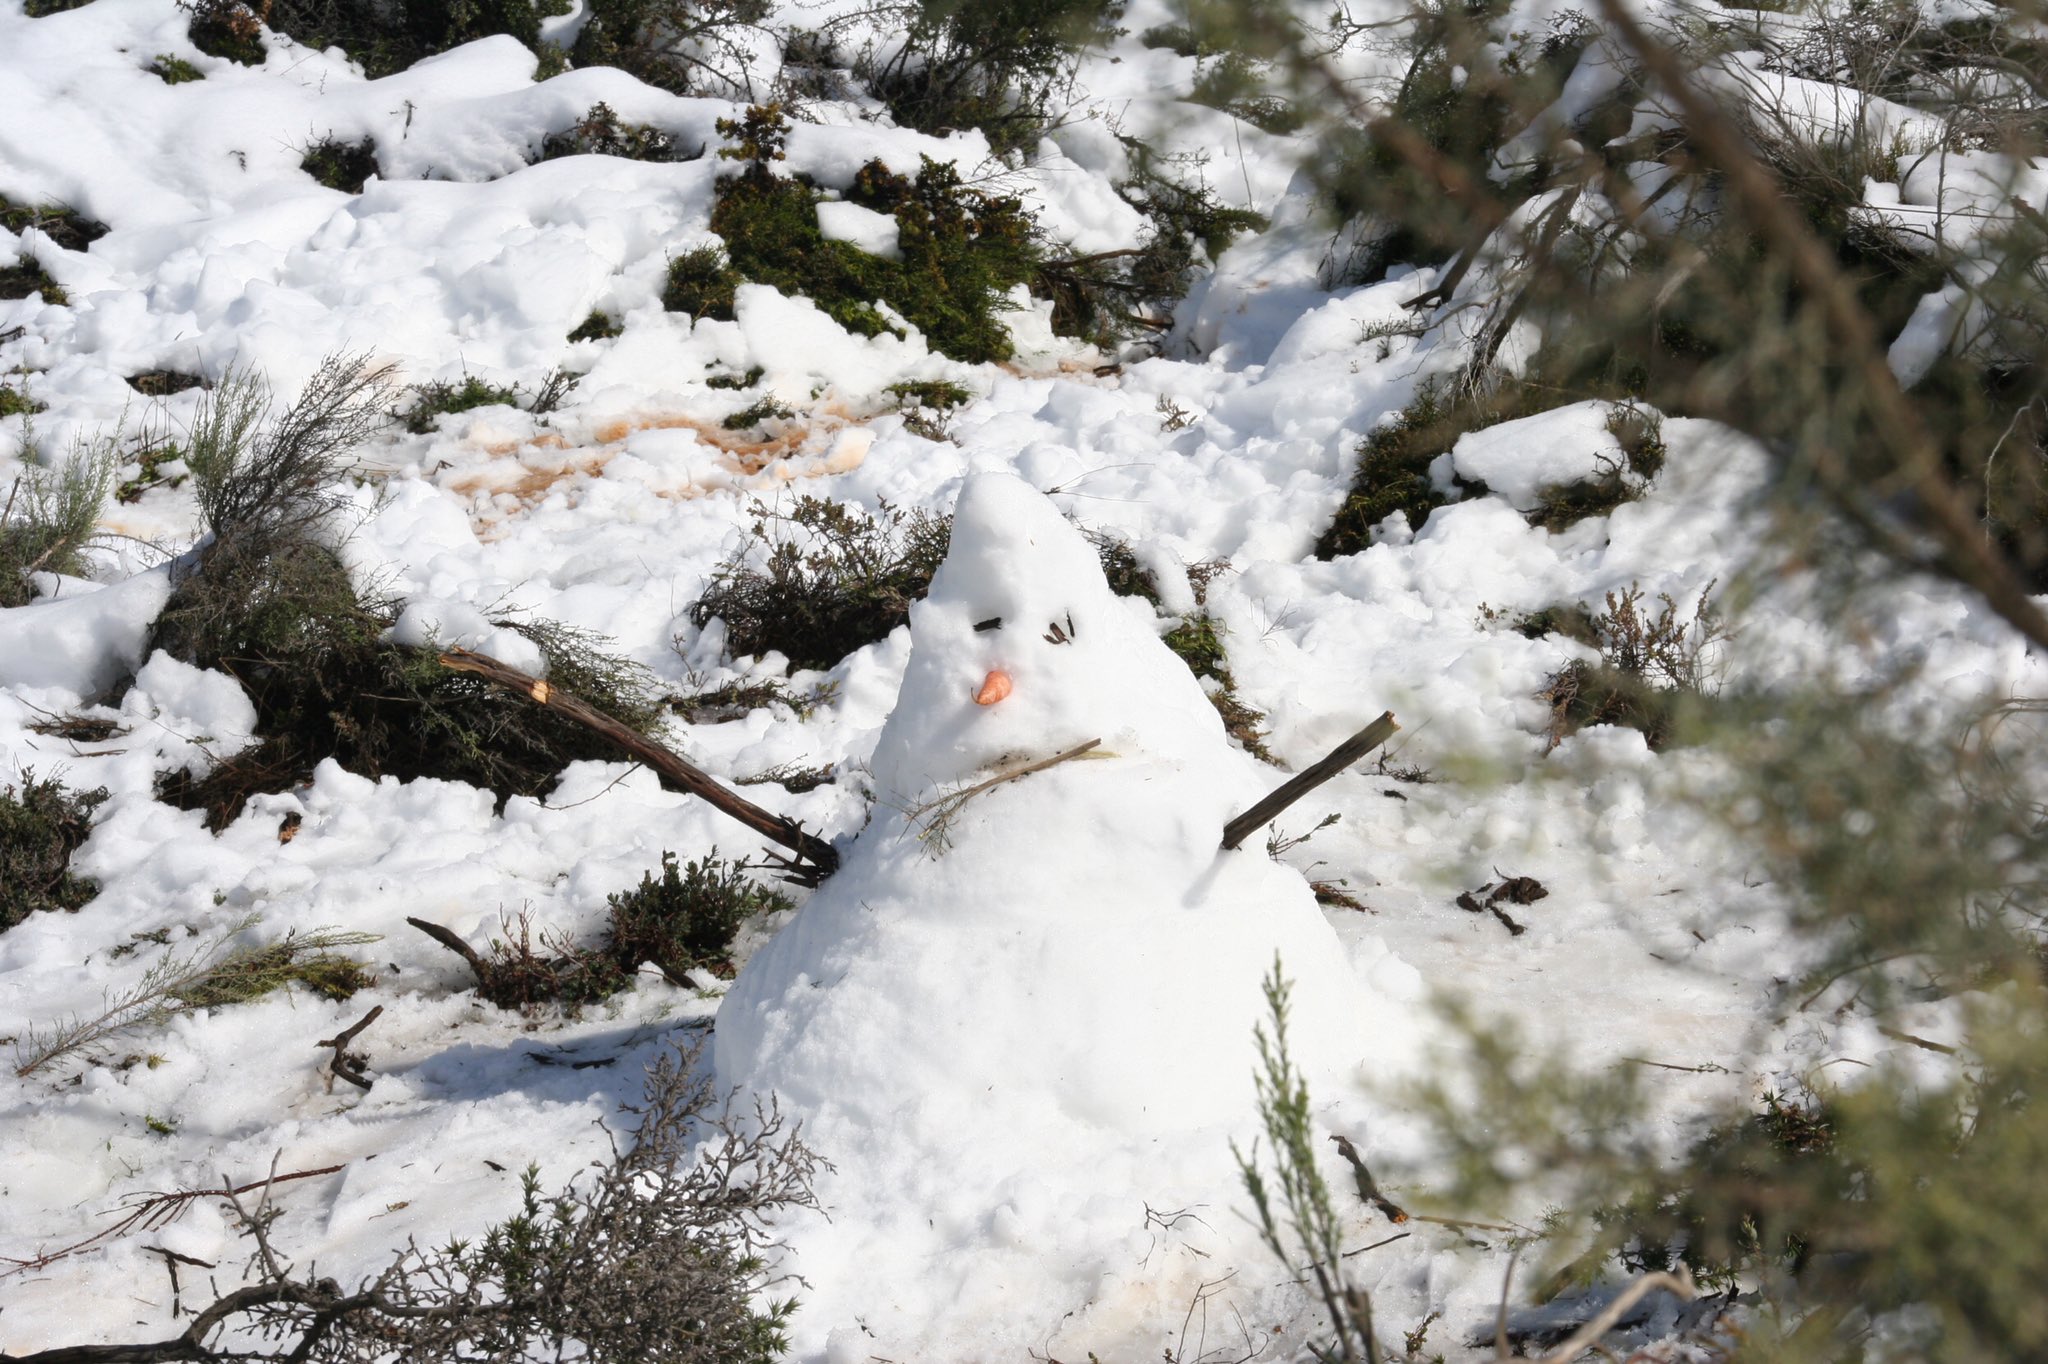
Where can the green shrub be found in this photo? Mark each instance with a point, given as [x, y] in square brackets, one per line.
[701, 283]
[431, 401]
[1393, 471]
[601, 133]
[1198, 641]
[41, 825]
[1640, 434]
[228, 28]
[681, 922]
[596, 327]
[682, 46]
[15, 402]
[339, 165]
[48, 518]
[749, 417]
[271, 605]
[172, 70]
[962, 250]
[998, 65]
[834, 579]
[1650, 668]
[387, 38]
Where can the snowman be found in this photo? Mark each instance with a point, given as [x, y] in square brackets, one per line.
[1020, 1017]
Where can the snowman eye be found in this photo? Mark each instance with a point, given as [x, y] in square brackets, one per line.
[1059, 636]
[992, 623]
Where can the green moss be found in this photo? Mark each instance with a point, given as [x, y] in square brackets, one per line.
[344, 166]
[174, 70]
[41, 825]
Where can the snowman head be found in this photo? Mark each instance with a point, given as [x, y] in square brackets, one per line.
[1021, 651]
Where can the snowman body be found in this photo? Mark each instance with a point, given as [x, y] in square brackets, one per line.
[1058, 973]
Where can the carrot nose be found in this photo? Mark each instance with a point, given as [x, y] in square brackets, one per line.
[994, 688]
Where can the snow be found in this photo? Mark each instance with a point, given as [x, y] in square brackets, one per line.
[1022, 1037]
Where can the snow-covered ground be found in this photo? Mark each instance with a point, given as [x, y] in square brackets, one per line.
[1067, 920]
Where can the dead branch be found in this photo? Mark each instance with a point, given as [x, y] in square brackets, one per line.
[938, 813]
[815, 859]
[1368, 1187]
[345, 1067]
[1292, 790]
[152, 1211]
[448, 938]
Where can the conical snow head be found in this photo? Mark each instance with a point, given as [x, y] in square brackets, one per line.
[1021, 650]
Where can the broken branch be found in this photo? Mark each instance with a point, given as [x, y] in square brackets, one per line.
[1292, 790]
[342, 1067]
[815, 858]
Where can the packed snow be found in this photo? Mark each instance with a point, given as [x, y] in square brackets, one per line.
[1018, 1022]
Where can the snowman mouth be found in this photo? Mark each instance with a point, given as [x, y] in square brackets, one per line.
[994, 688]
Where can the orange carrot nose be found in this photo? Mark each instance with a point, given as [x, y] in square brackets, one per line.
[994, 688]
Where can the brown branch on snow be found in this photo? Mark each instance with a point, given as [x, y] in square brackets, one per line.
[937, 814]
[815, 859]
[152, 1211]
[1292, 790]
[1368, 1187]
[344, 1066]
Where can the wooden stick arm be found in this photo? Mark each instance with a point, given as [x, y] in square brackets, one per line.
[815, 859]
[1299, 785]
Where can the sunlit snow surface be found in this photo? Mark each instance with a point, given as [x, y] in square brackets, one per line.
[1024, 1045]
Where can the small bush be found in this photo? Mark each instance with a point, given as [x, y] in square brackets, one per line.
[15, 402]
[1649, 666]
[387, 38]
[155, 466]
[174, 70]
[601, 133]
[962, 250]
[826, 578]
[701, 283]
[41, 825]
[755, 414]
[663, 1254]
[253, 972]
[1198, 641]
[344, 166]
[37, 9]
[48, 518]
[231, 29]
[834, 579]
[1002, 66]
[939, 394]
[682, 922]
[432, 401]
[1640, 433]
[271, 605]
[682, 46]
[596, 327]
